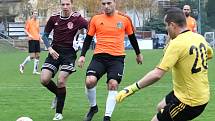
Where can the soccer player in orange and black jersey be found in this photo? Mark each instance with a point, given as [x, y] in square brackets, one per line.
[191, 22]
[110, 28]
[62, 53]
[32, 29]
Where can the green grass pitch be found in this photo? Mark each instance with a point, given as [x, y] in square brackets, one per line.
[23, 95]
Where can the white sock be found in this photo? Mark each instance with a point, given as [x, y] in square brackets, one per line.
[27, 59]
[36, 64]
[91, 95]
[110, 103]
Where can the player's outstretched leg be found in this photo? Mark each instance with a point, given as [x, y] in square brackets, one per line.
[54, 103]
[91, 113]
[106, 118]
[91, 95]
[110, 104]
[36, 64]
[21, 66]
[61, 95]
[58, 116]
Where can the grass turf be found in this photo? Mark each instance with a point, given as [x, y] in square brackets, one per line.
[23, 95]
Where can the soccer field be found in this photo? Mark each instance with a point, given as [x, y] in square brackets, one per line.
[23, 95]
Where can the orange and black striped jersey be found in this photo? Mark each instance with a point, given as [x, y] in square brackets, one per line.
[110, 32]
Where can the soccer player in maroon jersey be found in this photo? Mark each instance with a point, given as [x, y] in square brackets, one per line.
[62, 53]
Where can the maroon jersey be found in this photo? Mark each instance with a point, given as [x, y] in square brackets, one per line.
[65, 29]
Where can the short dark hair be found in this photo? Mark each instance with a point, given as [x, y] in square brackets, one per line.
[177, 16]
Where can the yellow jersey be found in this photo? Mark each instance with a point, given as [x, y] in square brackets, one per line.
[187, 56]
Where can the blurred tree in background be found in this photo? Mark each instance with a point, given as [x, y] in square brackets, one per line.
[210, 14]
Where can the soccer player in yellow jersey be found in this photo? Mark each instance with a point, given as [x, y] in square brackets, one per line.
[186, 56]
[110, 28]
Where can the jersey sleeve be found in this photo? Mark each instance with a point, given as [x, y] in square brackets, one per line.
[170, 57]
[129, 29]
[195, 26]
[50, 25]
[92, 27]
[38, 28]
[27, 25]
[83, 23]
[209, 52]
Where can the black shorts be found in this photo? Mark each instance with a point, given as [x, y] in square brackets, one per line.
[66, 61]
[33, 46]
[105, 63]
[175, 110]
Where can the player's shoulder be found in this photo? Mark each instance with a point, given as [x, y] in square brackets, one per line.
[179, 40]
[191, 18]
[199, 36]
[55, 14]
[183, 38]
[27, 21]
[97, 15]
[194, 34]
[119, 13]
[76, 14]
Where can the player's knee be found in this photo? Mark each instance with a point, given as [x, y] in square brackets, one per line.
[160, 106]
[90, 82]
[44, 80]
[45, 77]
[61, 83]
[37, 57]
[155, 118]
[32, 57]
[112, 85]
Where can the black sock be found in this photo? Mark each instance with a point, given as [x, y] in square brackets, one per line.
[51, 86]
[61, 95]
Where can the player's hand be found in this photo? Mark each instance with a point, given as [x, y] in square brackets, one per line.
[53, 53]
[139, 58]
[81, 61]
[30, 37]
[126, 92]
[41, 40]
